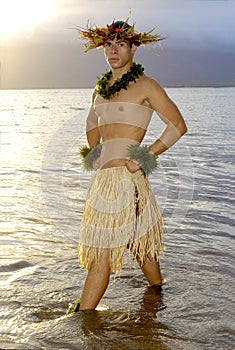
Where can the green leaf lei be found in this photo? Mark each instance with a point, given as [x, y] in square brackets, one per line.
[89, 155]
[103, 89]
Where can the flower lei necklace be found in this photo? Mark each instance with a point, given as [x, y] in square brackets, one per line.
[103, 89]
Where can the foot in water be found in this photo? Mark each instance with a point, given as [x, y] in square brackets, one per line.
[74, 307]
[153, 300]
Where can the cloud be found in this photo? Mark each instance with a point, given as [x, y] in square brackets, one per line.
[191, 21]
[184, 22]
[199, 48]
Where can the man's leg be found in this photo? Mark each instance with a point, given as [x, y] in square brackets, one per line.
[96, 283]
[151, 270]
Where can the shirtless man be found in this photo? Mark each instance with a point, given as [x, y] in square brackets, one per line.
[120, 119]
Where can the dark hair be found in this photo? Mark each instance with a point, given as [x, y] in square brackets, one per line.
[121, 24]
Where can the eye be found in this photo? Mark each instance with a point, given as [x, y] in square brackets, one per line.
[107, 44]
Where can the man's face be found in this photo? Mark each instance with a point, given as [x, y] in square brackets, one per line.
[118, 53]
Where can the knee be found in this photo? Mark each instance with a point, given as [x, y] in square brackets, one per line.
[101, 262]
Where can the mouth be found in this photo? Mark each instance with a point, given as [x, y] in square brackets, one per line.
[112, 59]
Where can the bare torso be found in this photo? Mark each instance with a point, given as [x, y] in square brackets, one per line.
[124, 119]
[122, 123]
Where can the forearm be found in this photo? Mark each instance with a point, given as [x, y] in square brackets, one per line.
[158, 147]
[168, 138]
[93, 137]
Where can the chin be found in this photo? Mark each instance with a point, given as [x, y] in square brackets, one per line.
[114, 64]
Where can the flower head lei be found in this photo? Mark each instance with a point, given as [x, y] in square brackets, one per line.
[96, 37]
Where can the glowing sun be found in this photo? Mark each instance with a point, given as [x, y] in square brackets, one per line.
[21, 15]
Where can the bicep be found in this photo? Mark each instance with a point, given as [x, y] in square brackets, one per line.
[92, 128]
[92, 120]
[163, 105]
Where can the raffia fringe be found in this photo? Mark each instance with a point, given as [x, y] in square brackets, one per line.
[141, 251]
[120, 213]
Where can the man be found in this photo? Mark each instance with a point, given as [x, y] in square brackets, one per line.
[120, 210]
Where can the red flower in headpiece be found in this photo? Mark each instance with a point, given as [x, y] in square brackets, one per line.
[97, 36]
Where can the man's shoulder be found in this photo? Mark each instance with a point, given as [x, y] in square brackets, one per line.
[149, 80]
[150, 86]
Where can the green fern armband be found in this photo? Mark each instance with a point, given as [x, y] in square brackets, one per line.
[89, 155]
[146, 160]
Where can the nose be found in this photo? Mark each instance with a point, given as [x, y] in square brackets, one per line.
[113, 48]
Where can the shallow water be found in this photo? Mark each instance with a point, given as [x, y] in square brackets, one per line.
[42, 195]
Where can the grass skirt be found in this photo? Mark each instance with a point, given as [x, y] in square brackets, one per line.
[120, 213]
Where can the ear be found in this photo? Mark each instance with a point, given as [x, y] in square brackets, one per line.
[133, 48]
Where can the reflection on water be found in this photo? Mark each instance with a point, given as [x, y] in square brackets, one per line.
[42, 195]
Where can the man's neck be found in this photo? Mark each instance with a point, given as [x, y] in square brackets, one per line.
[117, 73]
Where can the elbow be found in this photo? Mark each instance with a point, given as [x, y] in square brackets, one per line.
[182, 128]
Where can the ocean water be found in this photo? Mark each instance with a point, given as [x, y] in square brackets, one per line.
[43, 187]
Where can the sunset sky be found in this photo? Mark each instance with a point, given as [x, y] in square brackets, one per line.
[38, 48]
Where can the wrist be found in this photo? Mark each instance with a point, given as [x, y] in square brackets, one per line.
[151, 152]
[144, 157]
